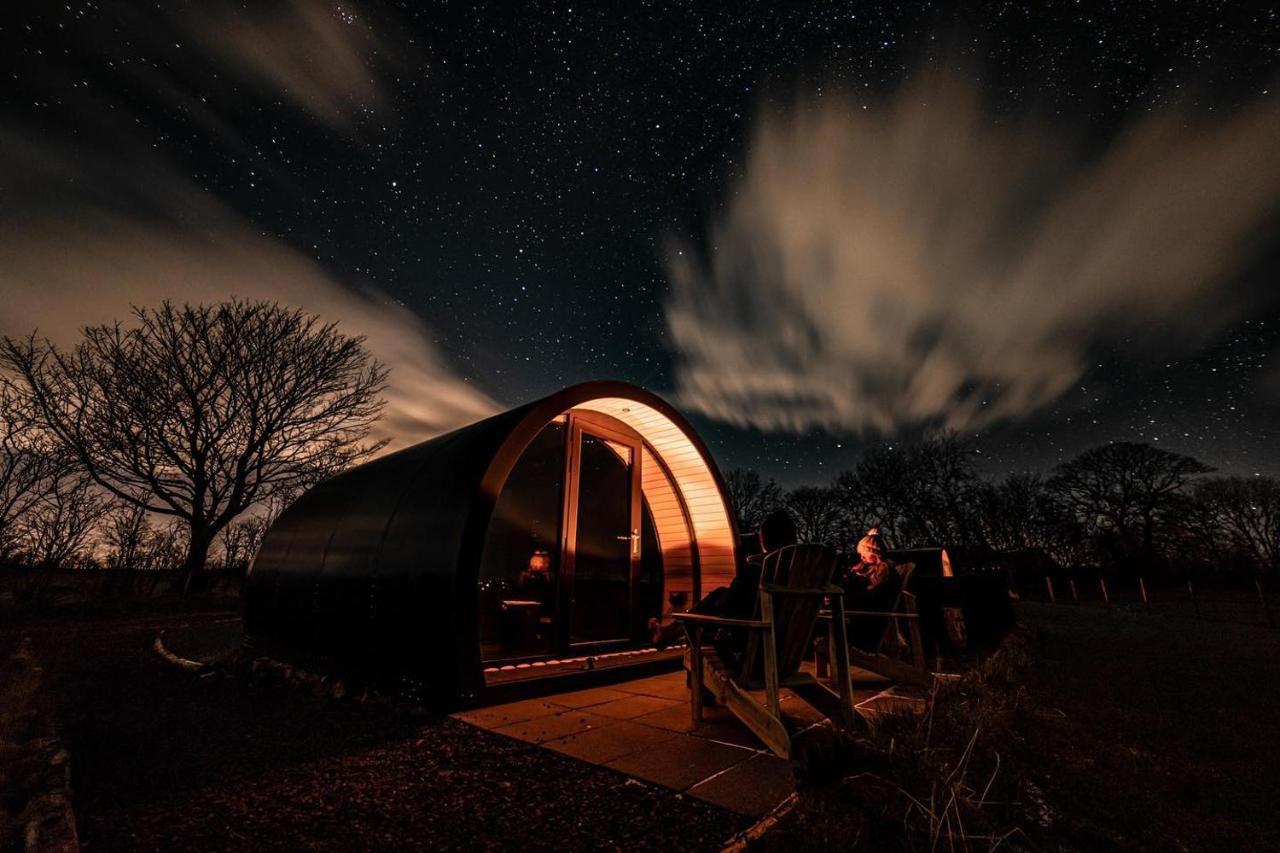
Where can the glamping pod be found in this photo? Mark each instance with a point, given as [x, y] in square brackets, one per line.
[535, 543]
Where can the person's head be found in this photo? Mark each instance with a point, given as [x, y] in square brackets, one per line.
[777, 530]
[870, 548]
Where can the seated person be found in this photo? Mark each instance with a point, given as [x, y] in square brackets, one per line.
[873, 583]
[738, 599]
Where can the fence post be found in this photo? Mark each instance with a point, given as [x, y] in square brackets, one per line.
[1048, 585]
[1142, 588]
[1266, 608]
[1195, 602]
[1102, 584]
[1075, 596]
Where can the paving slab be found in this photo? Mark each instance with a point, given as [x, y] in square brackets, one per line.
[632, 706]
[753, 787]
[729, 731]
[607, 743]
[718, 724]
[587, 698]
[644, 728]
[542, 729]
[669, 686]
[513, 712]
[677, 717]
[680, 761]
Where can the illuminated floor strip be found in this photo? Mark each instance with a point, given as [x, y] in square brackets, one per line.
[587, 663]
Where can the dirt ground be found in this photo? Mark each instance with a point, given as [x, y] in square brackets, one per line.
[165, 760]
[1145, 731]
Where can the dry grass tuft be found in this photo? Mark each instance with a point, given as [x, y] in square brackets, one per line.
[948, 780]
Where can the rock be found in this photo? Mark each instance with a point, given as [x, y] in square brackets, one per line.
[50, 826]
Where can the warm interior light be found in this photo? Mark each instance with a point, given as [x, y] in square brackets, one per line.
[539, 570]
[692, 480]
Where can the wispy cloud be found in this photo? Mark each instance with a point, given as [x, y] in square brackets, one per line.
[324, 57]
[921, 262]
[99, 219]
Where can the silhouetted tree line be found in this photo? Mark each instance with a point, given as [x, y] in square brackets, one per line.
[174, 440]
[1124, 507]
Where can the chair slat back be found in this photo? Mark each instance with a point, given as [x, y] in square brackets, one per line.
[890, 628]
[794, 617]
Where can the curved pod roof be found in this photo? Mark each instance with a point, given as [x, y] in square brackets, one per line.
[378, 566]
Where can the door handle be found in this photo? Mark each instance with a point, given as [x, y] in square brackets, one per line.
[634, 538]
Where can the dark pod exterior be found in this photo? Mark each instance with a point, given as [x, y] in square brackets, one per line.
[376, 569]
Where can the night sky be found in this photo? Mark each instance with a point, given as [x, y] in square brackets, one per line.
[516, 175]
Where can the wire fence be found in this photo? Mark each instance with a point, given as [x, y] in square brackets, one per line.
[1215, 600]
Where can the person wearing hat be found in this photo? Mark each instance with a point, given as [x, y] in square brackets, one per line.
[872, 569]
[873, 584]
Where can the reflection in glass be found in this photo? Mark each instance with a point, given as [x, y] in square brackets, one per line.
[529, 608]
[602, 555]
[520, 562]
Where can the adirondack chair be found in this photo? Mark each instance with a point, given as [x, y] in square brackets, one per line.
[794, 580]
[897, 652]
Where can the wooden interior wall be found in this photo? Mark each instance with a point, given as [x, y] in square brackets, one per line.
[713, 532]
[672, 529]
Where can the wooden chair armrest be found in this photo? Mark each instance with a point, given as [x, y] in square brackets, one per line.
[899, 614]
[704, 619]
[775, 589]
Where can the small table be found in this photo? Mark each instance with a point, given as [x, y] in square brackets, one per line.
[519, 622]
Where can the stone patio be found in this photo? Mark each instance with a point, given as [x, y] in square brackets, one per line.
[644, 728]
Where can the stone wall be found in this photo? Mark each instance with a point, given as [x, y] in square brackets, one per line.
[35, 770]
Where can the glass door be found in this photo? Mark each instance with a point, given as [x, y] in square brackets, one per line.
[602, 557]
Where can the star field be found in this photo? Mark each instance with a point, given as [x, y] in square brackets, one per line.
[517, 178]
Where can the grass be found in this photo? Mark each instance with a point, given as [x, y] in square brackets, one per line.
[941, 781]
[1156, 731]
[1101, 728]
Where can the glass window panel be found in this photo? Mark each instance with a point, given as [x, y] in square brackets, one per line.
[602, 555]
[520, 564]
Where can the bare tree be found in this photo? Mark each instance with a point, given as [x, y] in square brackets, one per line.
[200, 412]
[125, 532]
[55, 531]
[30, 462]
[165, 547]
[1021, 515]
[918, 494]
[1123, 492]
[239, 542]
[877, 492]
[752, 497]
[818, 514]
[1244, 512]
[944, 482]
